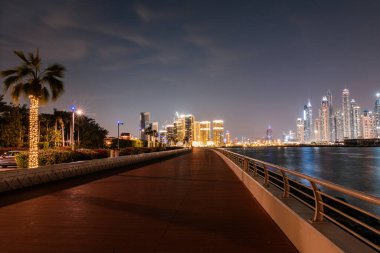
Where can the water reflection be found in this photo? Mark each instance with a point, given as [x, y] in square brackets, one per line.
[353, 167]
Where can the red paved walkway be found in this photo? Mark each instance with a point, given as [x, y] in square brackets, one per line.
[191, 203]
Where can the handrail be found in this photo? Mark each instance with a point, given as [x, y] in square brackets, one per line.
[282, 181]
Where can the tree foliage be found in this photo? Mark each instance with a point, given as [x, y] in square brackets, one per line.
[13, 125]
[14, 128]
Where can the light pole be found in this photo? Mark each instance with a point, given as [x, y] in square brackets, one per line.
[79, 112]
[118, 124]
[73, 109]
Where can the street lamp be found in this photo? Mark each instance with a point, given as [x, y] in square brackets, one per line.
[73, 109]
[118, 142]
[79, 112]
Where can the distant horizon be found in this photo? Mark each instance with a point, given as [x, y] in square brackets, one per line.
[276, 134]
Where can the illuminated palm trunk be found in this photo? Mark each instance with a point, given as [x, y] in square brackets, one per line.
[33, 132]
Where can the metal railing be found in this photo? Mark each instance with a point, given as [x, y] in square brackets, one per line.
[361, 223]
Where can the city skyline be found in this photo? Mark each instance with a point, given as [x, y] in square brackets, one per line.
[251, 63]
[335, 122]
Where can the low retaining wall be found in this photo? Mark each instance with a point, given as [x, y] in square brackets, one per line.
[293, 219]
[21, 178]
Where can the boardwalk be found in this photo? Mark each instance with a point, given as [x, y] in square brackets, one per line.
[191, 203]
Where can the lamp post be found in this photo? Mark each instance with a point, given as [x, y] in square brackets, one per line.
[118, 126]
[79, 112]
[73, 109]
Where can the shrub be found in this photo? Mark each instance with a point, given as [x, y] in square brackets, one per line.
[65, 155]
[22, 159]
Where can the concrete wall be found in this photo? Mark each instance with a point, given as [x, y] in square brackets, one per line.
[20, 178]
[293, 219]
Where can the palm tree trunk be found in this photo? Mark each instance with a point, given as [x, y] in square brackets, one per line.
[63, 134]
[33, 132]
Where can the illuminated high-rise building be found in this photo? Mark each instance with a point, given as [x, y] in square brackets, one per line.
[155, 126]
[269, 133]
[368, 122]
[197, 134]
[189, 128]
[331, 116]
[355, 120]
[170, 135]
[300, 130]
[162, 136]
[308, 122]
[205, 132]
[144, 123]
[325, 120]
[317, 130]
[338, 120]
[376, 114]
[218, 132]
[346, 110]
[228, 138]
[179, 128]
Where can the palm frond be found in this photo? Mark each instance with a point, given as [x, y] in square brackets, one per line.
[24, 70]
[44, 97]
[36, 60]
[17, 90]
[56, 86]
[56, 70]
[8, 72]
[9, 81]
[21, 55]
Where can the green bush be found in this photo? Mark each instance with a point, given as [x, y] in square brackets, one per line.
[43, 145]
[55, 156]
[22, 159]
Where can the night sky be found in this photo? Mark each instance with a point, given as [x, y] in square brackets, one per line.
[250, 63]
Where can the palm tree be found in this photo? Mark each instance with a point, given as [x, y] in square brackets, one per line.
[31, 80]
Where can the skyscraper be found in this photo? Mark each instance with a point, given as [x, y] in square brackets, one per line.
[355, 120]
[331, 116]
[317, 130]
[205, 130]
[368, 122]
[376, 112]
[300, 130]
[228, 138]
[179, 128]
[346, 110]
[170, 135]
[338, 124]
[144, 123]
[269, 133]
[308, 122]
[189, 128]
[325, 120]
[218, 132]
[196, 135]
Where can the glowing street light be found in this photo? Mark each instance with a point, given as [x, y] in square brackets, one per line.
[79, 112]
[73, 109]
[118, 135]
